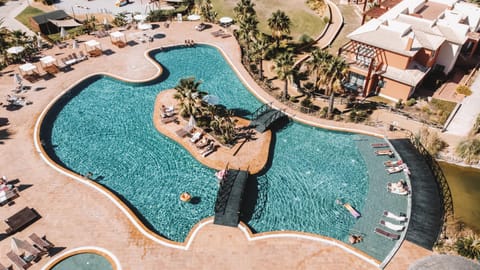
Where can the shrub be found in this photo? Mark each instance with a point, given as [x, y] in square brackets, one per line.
[293, 99]
[469, 150]
[476, 126]
[323, 112]
[306, 102]
[399, 104]
[463, 90]
[431, 141]
[305, 39]
[411, 102]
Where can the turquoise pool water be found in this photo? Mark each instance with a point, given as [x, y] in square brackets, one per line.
[84, 261]
[104, 126]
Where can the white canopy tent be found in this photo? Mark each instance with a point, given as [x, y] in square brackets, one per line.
[48, 60]
[28, 68]
[92, 45]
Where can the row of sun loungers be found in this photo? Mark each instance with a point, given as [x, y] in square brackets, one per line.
[391, 226]
[28, 252]
[73, 58]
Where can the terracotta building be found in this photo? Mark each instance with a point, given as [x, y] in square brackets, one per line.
[390, 55]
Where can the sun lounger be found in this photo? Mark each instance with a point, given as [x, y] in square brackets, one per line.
[170, 119]
[392, 163]
[196, 136]
[203, 143]
[384, 153]
[210, 149]
[389, 235]
[396, 169]
[40, 242]
[393, 216]
[8, 195]
[17, 260]
[379, 145]
[182, 132]
[391, 226]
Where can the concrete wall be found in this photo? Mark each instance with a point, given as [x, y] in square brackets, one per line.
[394, 90]
[447, 55]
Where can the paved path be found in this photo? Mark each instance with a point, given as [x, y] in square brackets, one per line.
[465, 118]
[9, 11]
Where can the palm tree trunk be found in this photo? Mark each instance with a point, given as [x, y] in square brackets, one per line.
[285, 90]
[260, 69]
[330, 104]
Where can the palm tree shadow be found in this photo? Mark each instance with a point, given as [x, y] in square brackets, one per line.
[5, 134]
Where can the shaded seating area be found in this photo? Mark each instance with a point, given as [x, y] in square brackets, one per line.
[21, 219]
[17, 260]
[118, 39]
[93, 48]
[49, 64]
[40, 242]
[229, 198]
[29, 72]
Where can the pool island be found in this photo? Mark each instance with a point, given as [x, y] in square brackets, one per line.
[251, 155]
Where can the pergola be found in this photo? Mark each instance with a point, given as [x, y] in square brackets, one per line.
[93, 48]
[118, 39]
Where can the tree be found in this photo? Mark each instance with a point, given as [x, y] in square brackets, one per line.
[468, 247]
[284, 68]
[279, 23]
[188, 95]
[243, 9]
[260, 48]
[207, 11]
[334, 73]
[317, 63]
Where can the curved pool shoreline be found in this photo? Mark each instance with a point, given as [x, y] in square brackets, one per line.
[118, 202]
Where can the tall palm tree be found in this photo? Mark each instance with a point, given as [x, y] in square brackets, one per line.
[260, 48]
[243, 9]
[284, 69]
[335, 72]
[188, 95]
[207, 11]
[279, 23]
[318, 60]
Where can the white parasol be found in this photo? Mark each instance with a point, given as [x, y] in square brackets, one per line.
[193, 17]
[63, 33]
[17, 79]
[75, 44]
[225, 20]
[192, 122]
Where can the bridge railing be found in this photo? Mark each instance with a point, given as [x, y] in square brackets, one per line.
[260, 110]
[446, 195]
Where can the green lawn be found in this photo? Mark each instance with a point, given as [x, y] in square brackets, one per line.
[26, 14]
[304, 20]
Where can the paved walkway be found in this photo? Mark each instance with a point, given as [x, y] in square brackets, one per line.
[467, 114]
[76, 213]
[9, 11]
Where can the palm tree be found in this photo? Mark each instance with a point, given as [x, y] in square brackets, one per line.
[468, 247]
[243, 9]
[279, 23]
[316, 64]
[260, 48]
[284, 68]
[334, 71]
[188, 94]
[207, 11]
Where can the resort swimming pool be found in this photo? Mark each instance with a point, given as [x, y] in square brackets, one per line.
[105, 126]
[83, 261]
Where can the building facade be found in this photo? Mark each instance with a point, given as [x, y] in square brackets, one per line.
[391, 55]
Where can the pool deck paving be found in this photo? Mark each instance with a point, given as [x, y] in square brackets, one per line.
[76, 213]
